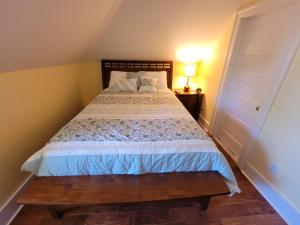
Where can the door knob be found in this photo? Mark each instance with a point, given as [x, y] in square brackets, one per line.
[257, 108]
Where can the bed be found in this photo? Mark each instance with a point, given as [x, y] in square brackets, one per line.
[130, 138]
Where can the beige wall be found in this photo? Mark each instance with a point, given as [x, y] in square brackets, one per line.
[209, 72]
[90, 81]
[34, 105]
[276, 153]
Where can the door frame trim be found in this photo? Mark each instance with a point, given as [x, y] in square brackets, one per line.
[260, 8]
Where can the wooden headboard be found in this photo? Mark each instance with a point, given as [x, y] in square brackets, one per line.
[134, 66]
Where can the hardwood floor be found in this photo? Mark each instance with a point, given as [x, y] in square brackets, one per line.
[246, 208]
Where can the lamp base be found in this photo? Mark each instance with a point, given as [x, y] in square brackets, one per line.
[186, 88]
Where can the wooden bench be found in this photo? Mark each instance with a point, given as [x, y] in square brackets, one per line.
[83, 191]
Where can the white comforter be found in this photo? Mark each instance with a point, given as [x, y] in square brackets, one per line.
[130, 134]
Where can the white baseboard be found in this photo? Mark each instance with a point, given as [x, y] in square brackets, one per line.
[204, 123]
[10, 208]
[283, 208]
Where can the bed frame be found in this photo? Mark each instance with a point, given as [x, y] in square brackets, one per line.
[68, 194]
[134, 66]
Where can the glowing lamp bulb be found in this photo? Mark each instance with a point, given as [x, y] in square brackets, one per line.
[190, 70]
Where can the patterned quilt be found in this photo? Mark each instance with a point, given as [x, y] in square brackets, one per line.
[130, 134]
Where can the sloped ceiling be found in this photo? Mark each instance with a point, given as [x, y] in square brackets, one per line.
[36, 33]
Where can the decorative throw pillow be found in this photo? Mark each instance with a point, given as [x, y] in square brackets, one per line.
[148, 84]
[148, 81]
[161, 77]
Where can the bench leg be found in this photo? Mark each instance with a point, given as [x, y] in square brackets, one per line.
[56, 214]
[204, 202]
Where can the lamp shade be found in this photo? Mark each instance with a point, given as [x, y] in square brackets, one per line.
[190, 70]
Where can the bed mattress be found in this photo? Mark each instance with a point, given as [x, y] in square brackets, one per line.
[130, 133]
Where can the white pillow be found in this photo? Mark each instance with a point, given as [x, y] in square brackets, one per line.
[128, 85]
[161, 77]
[114, 76]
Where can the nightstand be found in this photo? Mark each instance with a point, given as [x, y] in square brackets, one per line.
[191, 100]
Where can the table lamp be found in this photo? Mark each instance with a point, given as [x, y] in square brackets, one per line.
[189, 71]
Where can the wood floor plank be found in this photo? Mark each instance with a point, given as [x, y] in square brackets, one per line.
[272, 219]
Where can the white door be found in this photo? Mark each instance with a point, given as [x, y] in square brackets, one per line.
[263, 48]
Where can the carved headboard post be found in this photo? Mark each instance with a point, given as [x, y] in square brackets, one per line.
[135, 66]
